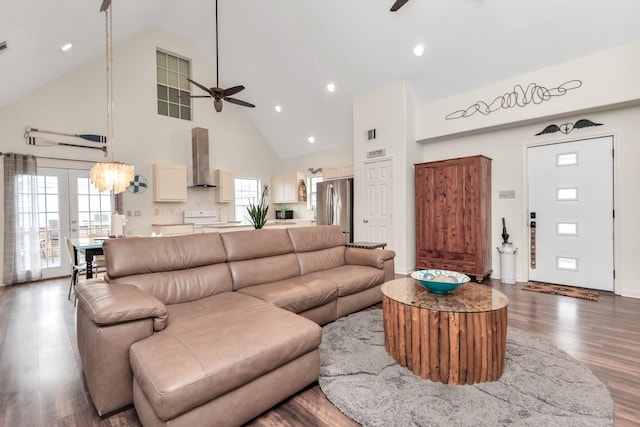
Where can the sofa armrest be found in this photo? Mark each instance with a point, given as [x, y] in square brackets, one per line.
[108, 304]
[369, 257]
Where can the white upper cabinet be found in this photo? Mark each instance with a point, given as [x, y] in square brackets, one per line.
[343, 170]
[284, 187]
[169, 182]
[225, 182]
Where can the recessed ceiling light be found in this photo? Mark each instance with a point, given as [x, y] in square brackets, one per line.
[311, 139]
[278, 108]
[331, 87]
[418, 50]
[66, 47]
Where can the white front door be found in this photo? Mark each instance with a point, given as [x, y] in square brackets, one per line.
[571, 207]
[377, 184]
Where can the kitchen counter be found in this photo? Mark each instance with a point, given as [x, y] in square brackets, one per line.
[175, 229]
[271, 223]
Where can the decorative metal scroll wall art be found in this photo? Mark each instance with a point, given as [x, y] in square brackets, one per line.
[568, 127]
[518, 97]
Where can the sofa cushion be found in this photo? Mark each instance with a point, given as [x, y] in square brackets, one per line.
[143, 255]
[172, 287]
[297, 294]
[350, 279]
[252, 244]
[235, 340]
[306, 239]
[263, 270]
[321, 259]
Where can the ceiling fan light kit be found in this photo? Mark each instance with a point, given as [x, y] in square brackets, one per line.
[217, 93]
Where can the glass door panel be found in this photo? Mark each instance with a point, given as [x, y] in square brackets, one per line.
[90, 209]
[53, 217]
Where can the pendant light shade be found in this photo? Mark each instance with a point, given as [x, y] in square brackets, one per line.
[110, 176]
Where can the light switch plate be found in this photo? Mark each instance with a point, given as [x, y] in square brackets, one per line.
[507, 194]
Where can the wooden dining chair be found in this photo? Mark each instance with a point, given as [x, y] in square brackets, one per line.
[77, 269]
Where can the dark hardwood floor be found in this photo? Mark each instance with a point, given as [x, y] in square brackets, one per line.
[41, 379]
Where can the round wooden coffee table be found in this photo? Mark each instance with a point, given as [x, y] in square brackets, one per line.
[455, 338]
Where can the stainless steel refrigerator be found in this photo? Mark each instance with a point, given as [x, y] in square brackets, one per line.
[334, 204]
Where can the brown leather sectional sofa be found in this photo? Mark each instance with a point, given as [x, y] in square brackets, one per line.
[214, 329]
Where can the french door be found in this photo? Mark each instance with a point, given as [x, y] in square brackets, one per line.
[69, 206]
[571, 213]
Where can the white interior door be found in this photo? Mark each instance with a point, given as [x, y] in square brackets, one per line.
[377, 183]
[571, 197]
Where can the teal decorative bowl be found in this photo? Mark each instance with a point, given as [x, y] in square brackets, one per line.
[440, 281]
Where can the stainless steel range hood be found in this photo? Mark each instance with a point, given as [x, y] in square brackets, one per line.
[200, 158]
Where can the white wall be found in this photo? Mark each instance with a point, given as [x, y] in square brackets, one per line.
[608, 78]
[507, 148]
[609, 94]
[76, 103]
[390, 111]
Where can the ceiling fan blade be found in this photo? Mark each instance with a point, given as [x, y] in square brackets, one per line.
[217, 103]
[232, 90]
[204, 88]
[398, 4]
[200, 96]
[239, 102]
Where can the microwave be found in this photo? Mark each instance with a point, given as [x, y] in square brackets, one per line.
[284, 214]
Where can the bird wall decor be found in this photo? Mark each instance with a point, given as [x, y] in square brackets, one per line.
[568, 127]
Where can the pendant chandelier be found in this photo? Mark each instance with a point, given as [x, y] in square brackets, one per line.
[110, 176]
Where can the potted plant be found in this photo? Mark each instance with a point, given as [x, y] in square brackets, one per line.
[258, 212]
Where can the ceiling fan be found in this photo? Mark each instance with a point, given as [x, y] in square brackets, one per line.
[398, 4]
[217, 93]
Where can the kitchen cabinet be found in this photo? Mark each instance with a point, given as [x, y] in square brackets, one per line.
[284, 187]
[172, 229]
[225, 185]
[453, 215]
[344, 170]
[169, 182]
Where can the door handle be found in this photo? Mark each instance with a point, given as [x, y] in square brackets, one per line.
[532, 240]
[366, 221]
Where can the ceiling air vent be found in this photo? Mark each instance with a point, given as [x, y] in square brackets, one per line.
[3, 46]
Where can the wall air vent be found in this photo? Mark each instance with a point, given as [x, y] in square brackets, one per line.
[3, 46]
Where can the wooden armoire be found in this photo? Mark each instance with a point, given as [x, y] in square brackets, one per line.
[453, 215]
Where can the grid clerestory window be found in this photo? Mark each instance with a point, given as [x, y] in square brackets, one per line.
[174, 92]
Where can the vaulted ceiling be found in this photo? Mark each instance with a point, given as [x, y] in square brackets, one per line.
[286, 51]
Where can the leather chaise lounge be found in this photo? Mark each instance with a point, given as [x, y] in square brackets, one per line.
[214, 329]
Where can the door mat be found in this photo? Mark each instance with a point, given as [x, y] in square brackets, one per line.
[567, 291]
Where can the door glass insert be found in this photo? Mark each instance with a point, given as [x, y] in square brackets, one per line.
[567, 194]
[567, 263]
[49, 220]
[567, 159]
[94, 210]
[567, 228]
